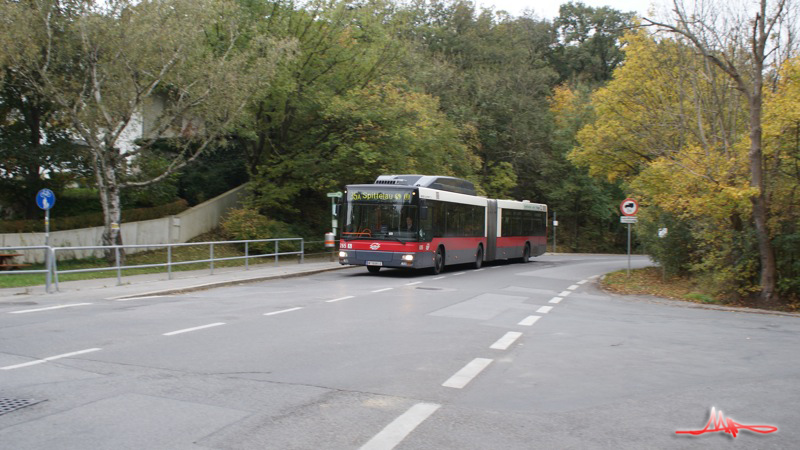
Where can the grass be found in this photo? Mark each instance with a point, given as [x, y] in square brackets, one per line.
[650, 281]
[159, 256]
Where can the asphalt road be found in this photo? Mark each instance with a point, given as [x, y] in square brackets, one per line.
[513, 356]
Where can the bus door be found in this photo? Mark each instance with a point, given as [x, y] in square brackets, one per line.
[491, 230]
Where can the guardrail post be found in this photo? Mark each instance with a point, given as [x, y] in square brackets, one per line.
[276, 252]
[212, 258]
[247, 255]
[54, 262]
[119, 270]
[169, 262]
[302, 250]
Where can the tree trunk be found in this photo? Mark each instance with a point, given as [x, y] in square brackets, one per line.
[107, 184]
[766, 252]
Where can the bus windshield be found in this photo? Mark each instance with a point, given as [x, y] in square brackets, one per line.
[380, 215]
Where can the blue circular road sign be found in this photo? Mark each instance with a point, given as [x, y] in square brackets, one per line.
[45, 199]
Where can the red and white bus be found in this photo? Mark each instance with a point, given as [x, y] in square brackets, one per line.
[420, 221]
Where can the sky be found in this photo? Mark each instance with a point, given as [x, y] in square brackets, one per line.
[549, 9]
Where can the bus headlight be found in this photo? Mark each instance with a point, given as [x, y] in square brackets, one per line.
[342, 254]
[408, 257]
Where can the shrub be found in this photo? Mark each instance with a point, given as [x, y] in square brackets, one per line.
[247, 223]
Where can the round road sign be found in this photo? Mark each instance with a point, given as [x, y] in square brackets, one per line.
[629, 207]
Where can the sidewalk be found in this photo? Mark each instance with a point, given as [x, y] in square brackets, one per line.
[158, 284]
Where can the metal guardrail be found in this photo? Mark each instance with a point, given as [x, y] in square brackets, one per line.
[51, 266]
[48, 252]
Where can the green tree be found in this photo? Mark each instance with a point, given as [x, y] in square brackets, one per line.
[103, 64]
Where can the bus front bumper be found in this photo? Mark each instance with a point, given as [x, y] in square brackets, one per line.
[401, 260]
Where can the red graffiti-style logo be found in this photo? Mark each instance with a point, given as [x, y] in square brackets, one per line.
[718, 422]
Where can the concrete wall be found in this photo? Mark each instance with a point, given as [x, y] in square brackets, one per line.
[174, 229]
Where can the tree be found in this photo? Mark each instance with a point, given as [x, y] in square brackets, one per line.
[105, 64]
[741, 44]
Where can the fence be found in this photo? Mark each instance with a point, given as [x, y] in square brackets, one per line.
[52, 272]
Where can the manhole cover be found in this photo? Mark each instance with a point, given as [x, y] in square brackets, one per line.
[12, 404]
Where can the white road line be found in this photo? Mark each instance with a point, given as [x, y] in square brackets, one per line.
[51, 358]
[413, 283]
[142, 298]
[382, 290]
[477, 270]
[338, 299]
[187, 330]
[544, 309]
[583, 281]
[504, 342]
[530, 320]
[437, 278]
[468, 373]
[593, 277]
[395, 432]
[556, 300]
[459, 273]
[494, 267]
[282, 311]
[564, 293]
[49, 308]
[573, 287]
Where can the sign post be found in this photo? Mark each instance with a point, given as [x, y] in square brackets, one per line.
[555, 226]
[333, 196]
[45, 199]
[629, 207]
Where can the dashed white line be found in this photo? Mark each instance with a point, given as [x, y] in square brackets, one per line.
[413, 283]
[556, 300]
[338, 299]
[437, 278]
[282, 311]
[573, 287]
[583, 281]
[477, 270]
[544, 309]
[395, 432]
[504, 342]
[530, 320]
[459, 273]
[564, 293]
[49, 308]
[51, 358]
[382, 290]
[468, 373]
[187, 330]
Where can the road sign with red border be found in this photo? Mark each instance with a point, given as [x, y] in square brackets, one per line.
[629, 207]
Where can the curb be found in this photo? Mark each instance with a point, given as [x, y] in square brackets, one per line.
[207, 286]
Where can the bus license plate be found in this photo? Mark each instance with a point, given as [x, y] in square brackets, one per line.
[374, 263]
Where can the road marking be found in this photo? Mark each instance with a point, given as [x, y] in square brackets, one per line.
[556, 300]
[338, 299]
[593, 277]
[395, 432]
[142, 298]
[530, 320]
[477, 270]
[573, 287]
[583, 281]
[51, 358]
[468, 373]
[284, 311]
[504, 342]
[437, 278]
[382, 290]
[413, 283]
[49, 308]
[459, 273]
[564, 293]
[544, 309]
[187, 330]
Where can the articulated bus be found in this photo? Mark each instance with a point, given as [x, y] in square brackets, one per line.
[419, 221]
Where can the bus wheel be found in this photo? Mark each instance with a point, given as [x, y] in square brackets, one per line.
[526, 254]
[373, 269]
[438, 261]
[478, 258]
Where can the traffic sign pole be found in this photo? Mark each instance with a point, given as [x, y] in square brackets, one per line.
[629, 249]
